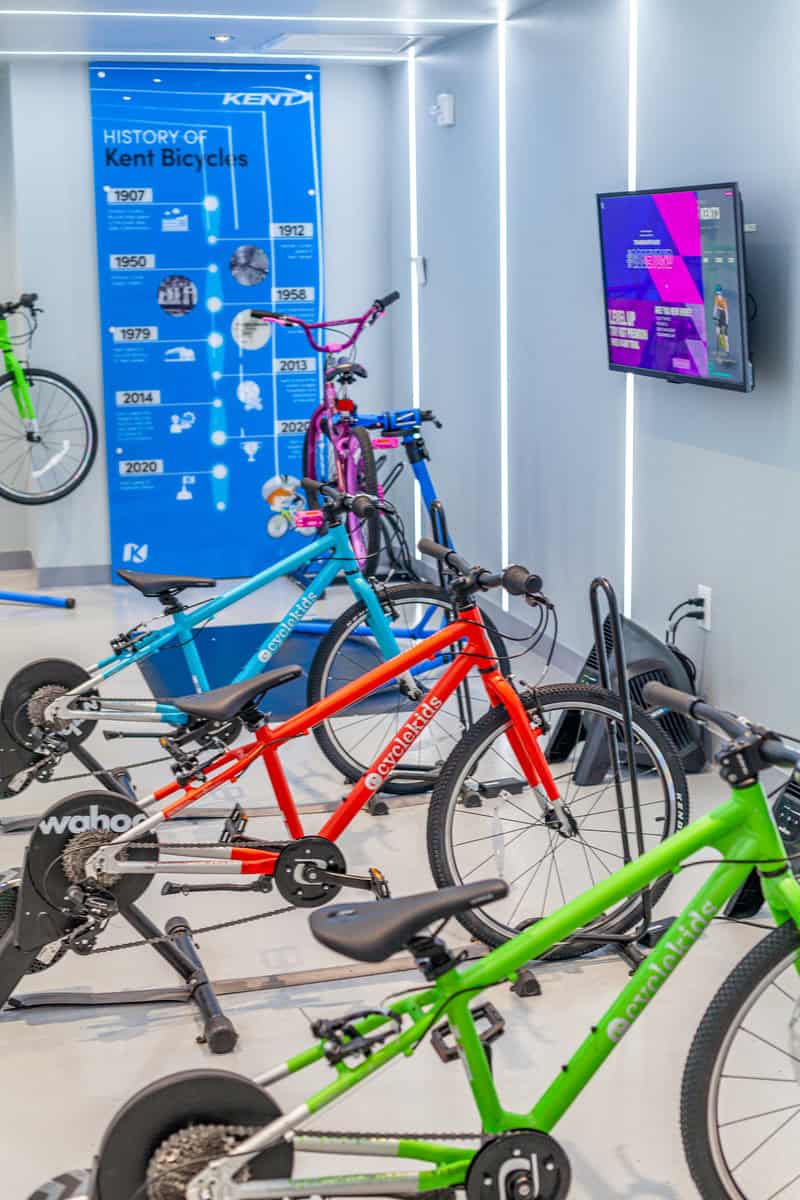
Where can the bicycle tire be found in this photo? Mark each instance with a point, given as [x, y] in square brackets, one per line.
[733, 1002]
[88, 456]
[461, 766]
[424, 593]
[313, 440]
[365, 535]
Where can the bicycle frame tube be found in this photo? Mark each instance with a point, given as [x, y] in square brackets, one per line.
[739, 829]
[335, 542]
[19, 386]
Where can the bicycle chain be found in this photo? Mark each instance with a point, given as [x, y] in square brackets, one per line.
[194, 932]
[410, 1137]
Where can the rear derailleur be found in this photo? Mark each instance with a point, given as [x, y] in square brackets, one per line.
[94, 910]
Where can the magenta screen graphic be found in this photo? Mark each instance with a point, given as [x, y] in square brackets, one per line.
[673, 283]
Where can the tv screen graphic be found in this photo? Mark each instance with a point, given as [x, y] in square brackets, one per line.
[674, 279]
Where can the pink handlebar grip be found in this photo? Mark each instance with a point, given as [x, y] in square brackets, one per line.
[386, 443]
[308, 518]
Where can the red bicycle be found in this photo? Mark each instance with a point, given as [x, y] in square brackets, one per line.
[527, 784]
[337, 448]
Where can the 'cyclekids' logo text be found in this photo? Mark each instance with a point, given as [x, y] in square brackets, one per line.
[682, 937]
[94, 819]
[286, 626]
[419, 719]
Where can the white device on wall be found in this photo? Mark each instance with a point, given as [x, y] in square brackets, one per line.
[444, 110]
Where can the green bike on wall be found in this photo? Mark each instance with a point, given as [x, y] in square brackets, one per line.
[48, 433]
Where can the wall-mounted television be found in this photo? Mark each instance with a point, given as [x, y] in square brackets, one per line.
[674, 284]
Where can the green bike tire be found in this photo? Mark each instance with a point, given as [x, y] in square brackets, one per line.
[84, 413]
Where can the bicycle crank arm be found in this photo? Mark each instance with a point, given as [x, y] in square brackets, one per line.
[374, 882]
[262, 884]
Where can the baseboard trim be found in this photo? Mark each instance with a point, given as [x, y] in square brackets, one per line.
[73, 576]
[16, 560]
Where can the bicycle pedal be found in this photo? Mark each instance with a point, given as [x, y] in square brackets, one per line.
[380, 884]
[235, 825]
[495, 1028]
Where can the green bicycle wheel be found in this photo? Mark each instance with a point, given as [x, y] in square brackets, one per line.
[44, 464]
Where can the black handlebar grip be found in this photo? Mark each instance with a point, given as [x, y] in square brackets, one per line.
[363, 506]
[261, 313]
[310, 484]
[658, 695]
[385, 301]
[433, 549]
[518, 581]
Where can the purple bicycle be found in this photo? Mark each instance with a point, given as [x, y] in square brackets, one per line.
[337, 449]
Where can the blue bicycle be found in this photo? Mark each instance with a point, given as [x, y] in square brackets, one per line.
[52, 705]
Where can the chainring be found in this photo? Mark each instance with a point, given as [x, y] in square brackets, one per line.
[520, 1165]
[295, 870]
[188, 1152]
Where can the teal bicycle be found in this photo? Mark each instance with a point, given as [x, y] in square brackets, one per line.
[52, 705]
[48, 432]
[211, 1135]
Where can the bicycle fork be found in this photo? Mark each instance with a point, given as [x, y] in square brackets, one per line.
[524, 741]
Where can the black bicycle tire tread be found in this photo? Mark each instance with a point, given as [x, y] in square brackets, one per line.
[471, 921]
[371, 525]
[31, 501]
[698, 1071]
[314, 691]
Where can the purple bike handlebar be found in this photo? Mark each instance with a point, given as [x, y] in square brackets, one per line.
[375, 310]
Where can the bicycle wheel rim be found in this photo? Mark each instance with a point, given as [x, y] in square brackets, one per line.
[535, 888]
[784, 1123]
[44, 471]
[365, 728]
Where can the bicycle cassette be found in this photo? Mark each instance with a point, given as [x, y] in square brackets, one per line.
[522, 1165]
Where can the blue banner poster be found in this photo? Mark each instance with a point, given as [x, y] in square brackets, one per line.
[208, 203]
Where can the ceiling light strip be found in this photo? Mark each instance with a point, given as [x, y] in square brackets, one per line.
[413, 240]
[292, 18]
[502, 197]
[109, 56]
[630, 380]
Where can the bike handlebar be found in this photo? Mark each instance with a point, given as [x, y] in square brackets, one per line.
[26, 300]
[772, 750]
[361, 505]
[375, 310]
[517, 580]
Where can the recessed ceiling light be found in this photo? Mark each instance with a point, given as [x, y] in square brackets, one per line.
[222, 37]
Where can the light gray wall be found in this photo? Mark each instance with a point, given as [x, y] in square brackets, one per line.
[55, 241]
[718, 473]
[14, 535]
[567, 95]
[458, 231]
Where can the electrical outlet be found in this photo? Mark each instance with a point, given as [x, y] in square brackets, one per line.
[704, 594]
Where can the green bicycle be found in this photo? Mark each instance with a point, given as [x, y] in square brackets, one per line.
[48, 432]
[211, 1135]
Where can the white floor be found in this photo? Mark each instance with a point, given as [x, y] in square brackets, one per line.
[63, 1073]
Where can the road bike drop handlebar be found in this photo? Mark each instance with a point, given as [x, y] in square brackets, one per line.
[771, 749]
[517, 580]
[360, 505]
[375, 310]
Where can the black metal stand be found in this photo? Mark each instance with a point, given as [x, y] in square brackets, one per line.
[629, 945]
[38, 924]
[111, 780]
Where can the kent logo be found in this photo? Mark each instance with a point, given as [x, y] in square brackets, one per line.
[94, 819]
[278, 98]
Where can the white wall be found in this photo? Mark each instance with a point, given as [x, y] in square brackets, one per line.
[54, 234]
[14, 535]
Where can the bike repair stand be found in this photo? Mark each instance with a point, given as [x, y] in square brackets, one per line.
[634, 947]
[38, 923]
